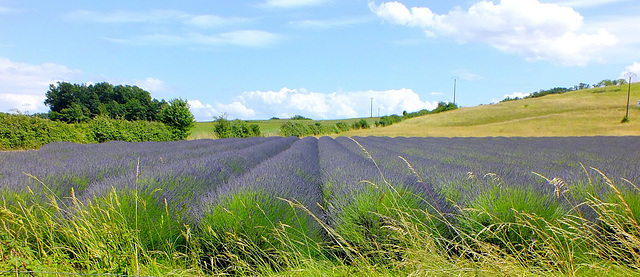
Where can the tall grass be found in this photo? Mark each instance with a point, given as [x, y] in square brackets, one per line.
[384, 232]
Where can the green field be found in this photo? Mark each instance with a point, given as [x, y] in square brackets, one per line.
[269, 127]
[589, 112]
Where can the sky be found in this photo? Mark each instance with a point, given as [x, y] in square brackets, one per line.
[323, 59]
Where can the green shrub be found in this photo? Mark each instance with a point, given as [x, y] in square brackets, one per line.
[297, 129]
[103, 129]
[388, 120]
[342, 127]
[361, 124]
[25, 132]
[289, 129]
[235, 129]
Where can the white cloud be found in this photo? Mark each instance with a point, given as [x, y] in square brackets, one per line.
[535, 30]
[210, 21]
[207, 112]
[251, 38]
[26, 103]
[329, 23]
[23, 86]
[633, 68]
[516, 95]
[153, 16]
[193, 23]
[236, 108]
[289, 102]
[123, 16]
[247, 38]
[152, 85]
[293, 3]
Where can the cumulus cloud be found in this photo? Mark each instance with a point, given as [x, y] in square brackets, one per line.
[207, 112]
[23, 86]
[288, 102]
[537, 31]
[516, 95]
[27, 103]
[151, 85]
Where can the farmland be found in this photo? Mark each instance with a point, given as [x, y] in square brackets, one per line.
[586, 112]
[324, 206]
[270, 127]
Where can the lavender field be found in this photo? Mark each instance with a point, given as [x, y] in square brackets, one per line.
[249, 202]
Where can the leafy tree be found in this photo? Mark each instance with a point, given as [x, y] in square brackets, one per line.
[235, 129]
[178, 117]
[78, 103]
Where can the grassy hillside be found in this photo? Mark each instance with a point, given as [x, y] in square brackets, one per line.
[268, 127]
[588, 112]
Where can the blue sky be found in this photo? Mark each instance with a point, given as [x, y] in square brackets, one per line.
[322, 59]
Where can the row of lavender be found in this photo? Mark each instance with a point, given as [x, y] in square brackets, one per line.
[323, 174]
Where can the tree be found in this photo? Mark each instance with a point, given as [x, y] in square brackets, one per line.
[178, 117]
[235, 129]
[67, 101]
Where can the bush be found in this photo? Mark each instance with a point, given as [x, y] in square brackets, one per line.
[289, 129]
[342, 127]
[26, 132]
[388, 120]
[103, 129]
[238, 129]
[361, 124]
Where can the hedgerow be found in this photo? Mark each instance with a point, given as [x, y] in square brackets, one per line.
[19, 131]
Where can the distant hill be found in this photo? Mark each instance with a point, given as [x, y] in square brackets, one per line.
[587, 112]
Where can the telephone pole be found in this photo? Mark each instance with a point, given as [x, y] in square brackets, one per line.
[626, 117]
[371, 107]
[455, 79]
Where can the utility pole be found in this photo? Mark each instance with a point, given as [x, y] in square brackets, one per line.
[626, 117]
[371, 107]
[454, 89]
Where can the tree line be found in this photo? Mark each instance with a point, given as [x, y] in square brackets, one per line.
[80, 103]
[561, 90]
